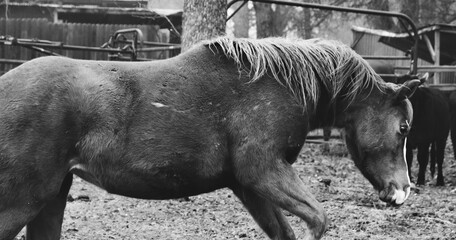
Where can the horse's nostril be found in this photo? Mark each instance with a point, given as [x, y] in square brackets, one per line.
[394, 204]
[382, 195]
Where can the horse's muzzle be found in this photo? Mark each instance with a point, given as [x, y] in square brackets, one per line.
[393, 195]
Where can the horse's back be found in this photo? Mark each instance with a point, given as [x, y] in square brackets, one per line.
[113, 120]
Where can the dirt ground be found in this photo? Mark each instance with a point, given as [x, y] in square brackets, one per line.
[350, 201]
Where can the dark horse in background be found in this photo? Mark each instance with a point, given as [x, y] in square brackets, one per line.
[430, 129]
[430, 126]
[228, 113]
[452, 103]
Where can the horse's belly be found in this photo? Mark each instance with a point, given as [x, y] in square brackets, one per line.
[164, 183]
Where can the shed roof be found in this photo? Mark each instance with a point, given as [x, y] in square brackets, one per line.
[404, 42]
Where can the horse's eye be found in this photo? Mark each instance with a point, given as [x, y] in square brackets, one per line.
[403, 129]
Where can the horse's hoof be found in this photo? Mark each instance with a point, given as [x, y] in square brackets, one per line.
[440, 182]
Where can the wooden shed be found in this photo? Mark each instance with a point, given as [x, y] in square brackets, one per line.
[436, 50]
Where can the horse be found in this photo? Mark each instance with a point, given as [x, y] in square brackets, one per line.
[452, 103]
[228, 113]
[430, 129]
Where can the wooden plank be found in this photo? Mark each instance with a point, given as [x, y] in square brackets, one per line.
[102, 37]
[93, 40]
[35, 32]
[85, 37]
[16, 52]
[70, 35]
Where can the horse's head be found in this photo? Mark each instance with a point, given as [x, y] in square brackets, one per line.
[376, 129]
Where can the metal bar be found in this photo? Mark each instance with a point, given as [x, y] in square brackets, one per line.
[237, 10]
[60, 46]
[154, 49]
[12, 61]
[432, 68]
[385, 57]
[414, 55]
[42, 50]
[153, 43]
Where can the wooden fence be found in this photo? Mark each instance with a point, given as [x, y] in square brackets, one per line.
[89, 35]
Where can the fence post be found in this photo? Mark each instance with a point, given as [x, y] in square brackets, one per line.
[437, 55]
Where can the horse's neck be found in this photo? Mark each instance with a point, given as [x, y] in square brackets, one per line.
[324, 114]
[334, 112]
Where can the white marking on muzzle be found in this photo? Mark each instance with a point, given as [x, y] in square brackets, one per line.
[400, 195]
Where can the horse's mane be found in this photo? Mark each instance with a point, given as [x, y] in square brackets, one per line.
[302, 65]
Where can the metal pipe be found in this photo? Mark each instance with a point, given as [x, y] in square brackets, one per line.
[385, 57]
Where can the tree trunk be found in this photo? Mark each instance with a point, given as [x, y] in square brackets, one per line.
[202, 20]
[263, 13]
[241, 21]
[270, 22]
[307, 24]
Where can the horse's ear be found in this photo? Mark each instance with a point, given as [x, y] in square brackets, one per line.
[407, 89]
[425, 77]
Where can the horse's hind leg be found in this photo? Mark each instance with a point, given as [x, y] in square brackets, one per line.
[268, 216]
[440, 155]
[48, 223]
[276, 181]
[423, 159]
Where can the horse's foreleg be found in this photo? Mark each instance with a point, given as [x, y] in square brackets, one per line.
[268, 216]
[48, 223]
[16, 210]
[423, 159]
[277, 182]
